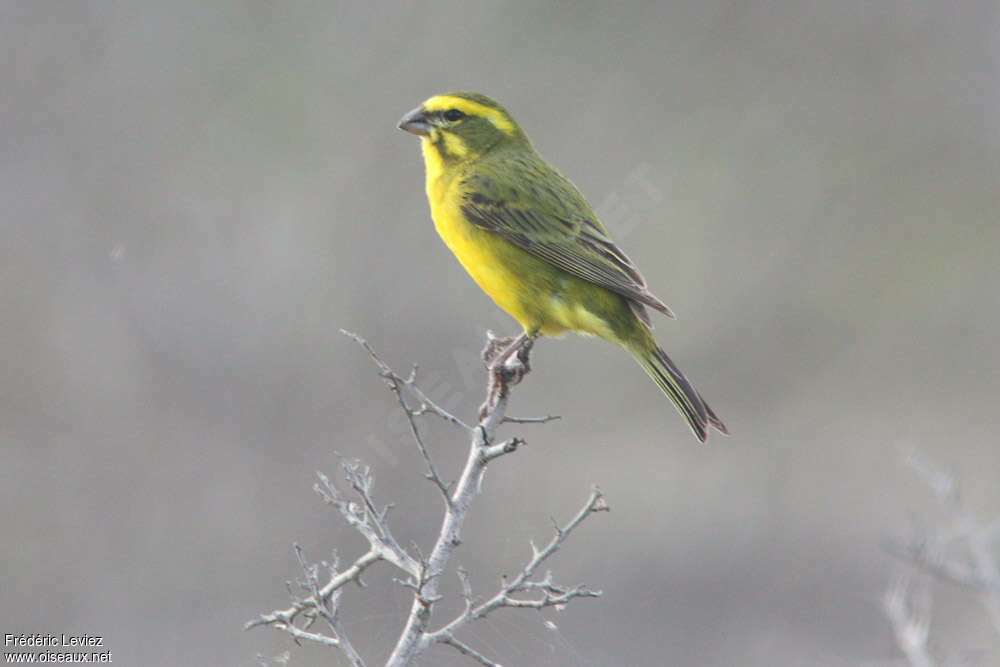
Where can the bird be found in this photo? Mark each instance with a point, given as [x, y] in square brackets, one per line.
[529, 239]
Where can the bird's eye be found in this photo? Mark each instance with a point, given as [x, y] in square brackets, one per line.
[451, 115]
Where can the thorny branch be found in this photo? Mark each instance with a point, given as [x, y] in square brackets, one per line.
[507, 363]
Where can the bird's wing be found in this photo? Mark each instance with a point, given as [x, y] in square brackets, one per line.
[541, 212]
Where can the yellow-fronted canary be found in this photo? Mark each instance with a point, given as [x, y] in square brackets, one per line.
[532, 242]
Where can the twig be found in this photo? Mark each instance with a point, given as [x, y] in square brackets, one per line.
[531, 420]
[472, 653]
[409, 383]
[552, 595]
[365, 518]
[322, 602]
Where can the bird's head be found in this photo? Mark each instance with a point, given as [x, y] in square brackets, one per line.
[462, 126]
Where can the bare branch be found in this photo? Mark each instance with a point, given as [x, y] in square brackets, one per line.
[506, 447]
[365, 518]
[398, 384]
[976, 538]
[471, 652]
[551, 594]
[329, 606]
[910, 627]
[508, 362]
[959, 553]
[409, 383]
[335, 583]
[432, 473]
[531, 420]
[463, 577]
[322, 602]
[948, 570]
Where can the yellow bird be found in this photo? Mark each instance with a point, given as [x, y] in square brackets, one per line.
[532, 242]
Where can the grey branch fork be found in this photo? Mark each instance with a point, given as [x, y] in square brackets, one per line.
[507, 362]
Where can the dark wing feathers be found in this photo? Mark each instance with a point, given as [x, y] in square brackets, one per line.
[553, 222]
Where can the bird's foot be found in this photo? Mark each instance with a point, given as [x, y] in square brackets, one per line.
[507, 360]
[495, 346]
[513, 362]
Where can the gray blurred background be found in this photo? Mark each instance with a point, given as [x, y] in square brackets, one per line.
[196, 198]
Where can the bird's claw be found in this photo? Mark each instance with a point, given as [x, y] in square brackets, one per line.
[507, 360]
[495, 345]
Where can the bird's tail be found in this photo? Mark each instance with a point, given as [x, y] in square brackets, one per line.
[678, 389]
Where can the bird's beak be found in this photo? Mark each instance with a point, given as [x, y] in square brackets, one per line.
[415, 122]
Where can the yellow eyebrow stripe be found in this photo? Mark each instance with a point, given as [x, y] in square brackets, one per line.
[470, 108]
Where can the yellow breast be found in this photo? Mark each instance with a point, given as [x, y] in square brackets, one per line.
[542, 298]
[487, 258]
